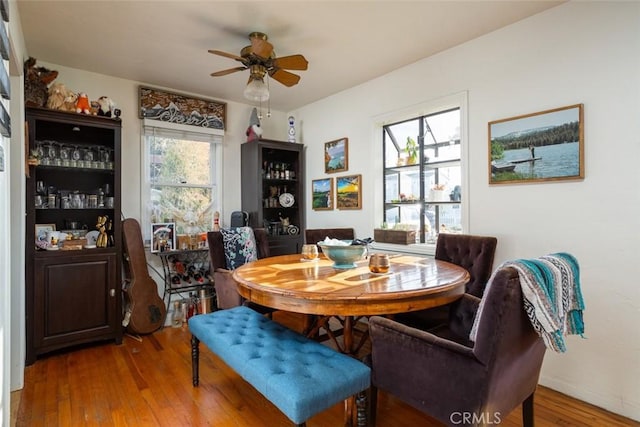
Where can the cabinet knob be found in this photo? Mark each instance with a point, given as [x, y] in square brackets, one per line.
[112, 292]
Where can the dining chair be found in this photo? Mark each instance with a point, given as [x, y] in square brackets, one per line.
[471, 252]
[228, 249]
[453, 379]
[315, 235]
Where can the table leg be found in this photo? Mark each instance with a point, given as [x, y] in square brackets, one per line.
[348, 335]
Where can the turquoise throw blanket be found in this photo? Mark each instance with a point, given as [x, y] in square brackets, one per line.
[552, 297]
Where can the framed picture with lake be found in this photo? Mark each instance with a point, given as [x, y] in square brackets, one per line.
[322, 193]
[336, 155]
[537, 147]
[349, 192]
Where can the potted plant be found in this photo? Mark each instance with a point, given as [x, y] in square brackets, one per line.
[411, 147]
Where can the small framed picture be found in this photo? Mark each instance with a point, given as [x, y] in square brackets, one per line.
[163, 236]
[537, 147]
[349, 192]
[336, 155]
[322, 193]
[42, 230]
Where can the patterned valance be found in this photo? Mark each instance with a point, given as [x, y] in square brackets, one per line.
[156, 104]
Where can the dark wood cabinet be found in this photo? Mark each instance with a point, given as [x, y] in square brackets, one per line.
[74, 299]
[273, 192]
[73, 294]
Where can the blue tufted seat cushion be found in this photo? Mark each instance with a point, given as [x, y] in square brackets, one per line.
[298, 375]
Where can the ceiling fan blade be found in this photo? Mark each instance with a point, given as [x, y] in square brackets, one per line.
[292, 62]
[261, 47]
[228, 71]
[284, 77]
[226, 55]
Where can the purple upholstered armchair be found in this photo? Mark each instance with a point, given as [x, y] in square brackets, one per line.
[453, 379]
[227, 295]
[473, 253]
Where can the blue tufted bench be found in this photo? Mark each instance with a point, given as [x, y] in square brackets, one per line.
[298, 375]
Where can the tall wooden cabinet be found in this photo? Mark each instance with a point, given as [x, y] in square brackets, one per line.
[73, 296]
[273, 192]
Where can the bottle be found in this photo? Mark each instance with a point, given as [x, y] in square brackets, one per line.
[177, 316]
[216, 221]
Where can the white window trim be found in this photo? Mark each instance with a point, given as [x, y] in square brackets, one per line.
[213, 136]
[458, 100]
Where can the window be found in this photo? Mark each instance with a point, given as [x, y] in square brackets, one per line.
[423, 177]
[182, 172]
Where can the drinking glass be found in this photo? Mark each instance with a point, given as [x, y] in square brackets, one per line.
[52, 154]
[309, 252]
[76, 157]
[379, 263]
[41, 188]
[65, 155]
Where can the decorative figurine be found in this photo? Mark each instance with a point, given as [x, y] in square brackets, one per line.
[216, 221]
[254, 131]
[102, 240]
[292, 129]
[82, 104]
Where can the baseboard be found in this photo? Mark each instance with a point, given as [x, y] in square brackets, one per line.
[618, 406]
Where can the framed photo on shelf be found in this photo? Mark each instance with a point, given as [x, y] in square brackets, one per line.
[42, 230]
[537, 147]
[349, 192]
[336, 155]
[322, 193]
[163, 236]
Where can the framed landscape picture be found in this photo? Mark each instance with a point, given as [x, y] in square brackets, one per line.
[336, 155]
[349, 192]
[163, 236]
[322, 193]
[544, 146]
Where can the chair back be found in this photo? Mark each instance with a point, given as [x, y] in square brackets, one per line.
[507, 344]
[216, 247]
[473, 253]
[227, 295]
[315, 235]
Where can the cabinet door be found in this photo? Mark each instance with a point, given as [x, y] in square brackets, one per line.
[74, 300]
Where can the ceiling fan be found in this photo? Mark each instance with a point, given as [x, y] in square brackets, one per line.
[260, 59]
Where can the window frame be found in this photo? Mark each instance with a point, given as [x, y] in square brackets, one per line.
[428, 108]
[214, 137]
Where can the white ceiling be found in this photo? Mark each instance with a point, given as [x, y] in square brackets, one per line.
[165, 43]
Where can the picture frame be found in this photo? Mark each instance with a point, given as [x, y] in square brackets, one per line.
[322, 194]
[537, 147]
[336, 155]
[349, 192]
[157, 104]
[41, 231]
[163, 236]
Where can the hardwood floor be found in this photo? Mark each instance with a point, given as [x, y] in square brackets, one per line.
[148, 383]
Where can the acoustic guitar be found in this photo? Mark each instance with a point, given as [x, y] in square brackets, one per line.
[144, 309]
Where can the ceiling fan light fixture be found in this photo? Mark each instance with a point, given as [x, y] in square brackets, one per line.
[256, 90]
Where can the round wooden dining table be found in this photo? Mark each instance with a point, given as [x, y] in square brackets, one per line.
[316, 288]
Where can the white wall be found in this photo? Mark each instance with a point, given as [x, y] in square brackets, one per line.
[584, 52]
[12, 284]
